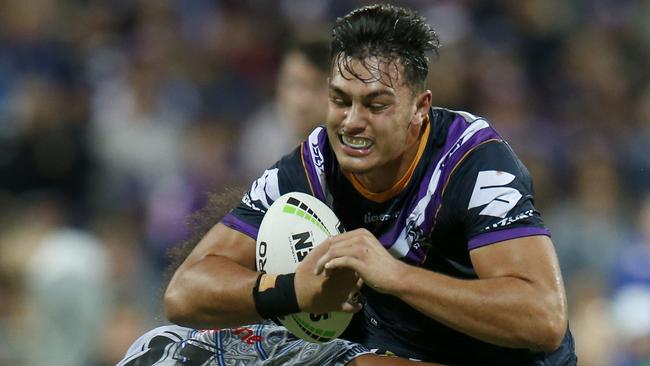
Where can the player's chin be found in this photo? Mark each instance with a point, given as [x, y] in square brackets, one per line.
[355, 165]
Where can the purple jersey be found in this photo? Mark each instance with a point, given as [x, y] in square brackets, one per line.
[467, 189]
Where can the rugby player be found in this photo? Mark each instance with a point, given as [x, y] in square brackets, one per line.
[456, 264]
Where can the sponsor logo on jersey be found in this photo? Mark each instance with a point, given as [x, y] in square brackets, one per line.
[370, 218]
[509, 220]
[490, 191]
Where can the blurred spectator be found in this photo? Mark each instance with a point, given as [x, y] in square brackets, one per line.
[630, 299]
[589, 225]
[66, 281]
[59, 287]
[635, 160]
[43, 138]
[300, 104]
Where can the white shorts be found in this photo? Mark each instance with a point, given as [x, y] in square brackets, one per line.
[251, 345]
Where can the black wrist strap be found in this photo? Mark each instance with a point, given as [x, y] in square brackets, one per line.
[275, 295]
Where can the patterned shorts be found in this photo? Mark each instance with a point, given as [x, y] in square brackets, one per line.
[259, 344]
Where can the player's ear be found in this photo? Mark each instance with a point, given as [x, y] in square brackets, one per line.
[423, 103]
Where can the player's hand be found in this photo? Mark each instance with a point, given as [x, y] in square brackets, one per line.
[328, 290]
[360, 251]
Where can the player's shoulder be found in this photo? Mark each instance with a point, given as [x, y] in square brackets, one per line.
[491, 155]
[297, 171]
[443, 115]
[494, 152]
[494, 155]
[448, 112]
[454, 129]
[493, 145]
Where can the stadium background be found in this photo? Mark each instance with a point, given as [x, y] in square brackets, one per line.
[117, 116]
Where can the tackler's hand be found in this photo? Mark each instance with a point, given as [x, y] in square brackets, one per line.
[361, 252]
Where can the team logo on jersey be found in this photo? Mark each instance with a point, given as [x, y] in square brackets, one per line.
[490, 191]
[318, 158]
[415, 236]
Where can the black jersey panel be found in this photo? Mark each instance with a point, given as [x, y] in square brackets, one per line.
[490, 197]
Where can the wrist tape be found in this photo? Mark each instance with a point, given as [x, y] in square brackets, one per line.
[275, 295]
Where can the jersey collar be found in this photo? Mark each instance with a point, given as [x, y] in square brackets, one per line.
[402, 182]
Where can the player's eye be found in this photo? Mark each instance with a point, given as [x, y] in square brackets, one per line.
[338, 101]
[377, 107]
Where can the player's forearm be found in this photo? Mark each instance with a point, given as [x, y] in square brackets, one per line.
[214, 292]
[506, 311]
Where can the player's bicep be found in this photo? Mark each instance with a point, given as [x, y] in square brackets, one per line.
[530, 258]
[224, 241]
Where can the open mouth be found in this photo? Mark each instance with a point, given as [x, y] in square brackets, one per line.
[360, 143]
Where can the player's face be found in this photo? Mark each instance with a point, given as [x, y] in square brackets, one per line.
[374, 127]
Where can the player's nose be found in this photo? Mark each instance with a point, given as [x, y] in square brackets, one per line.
[355, 119]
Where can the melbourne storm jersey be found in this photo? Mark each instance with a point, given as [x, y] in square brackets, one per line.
[465, 189]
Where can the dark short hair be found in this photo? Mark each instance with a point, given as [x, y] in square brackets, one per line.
[389, 33]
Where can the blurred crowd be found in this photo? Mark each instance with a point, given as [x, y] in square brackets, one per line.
[118, 117]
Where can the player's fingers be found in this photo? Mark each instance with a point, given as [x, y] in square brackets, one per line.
[315, 254]
[359, 282]
[354, 296]
[345, 262]
[335, 248]
[351, 308]
[355, 232]
[344, 236]
[320, 265]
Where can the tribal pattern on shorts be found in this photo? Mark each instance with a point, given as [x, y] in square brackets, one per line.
[264, 344]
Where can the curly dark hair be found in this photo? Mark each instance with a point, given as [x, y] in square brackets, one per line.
[199, 223]
[391, 34]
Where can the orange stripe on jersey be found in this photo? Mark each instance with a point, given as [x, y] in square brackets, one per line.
[304, 167]
[403, 182]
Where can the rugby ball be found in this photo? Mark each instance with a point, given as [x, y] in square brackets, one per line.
[293, 225]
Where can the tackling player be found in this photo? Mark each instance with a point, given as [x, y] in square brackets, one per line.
[457, 265]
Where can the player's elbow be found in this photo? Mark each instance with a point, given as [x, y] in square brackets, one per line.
[549, 336]
[173, 306]
[550, 330]
[176, 307]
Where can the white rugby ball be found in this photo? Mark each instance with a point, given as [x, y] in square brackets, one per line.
[294, 224]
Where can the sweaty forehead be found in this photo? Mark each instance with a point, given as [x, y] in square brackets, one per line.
[371, 71]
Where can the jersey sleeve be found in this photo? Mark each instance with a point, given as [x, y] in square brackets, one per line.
[286, 175]
[490, 196]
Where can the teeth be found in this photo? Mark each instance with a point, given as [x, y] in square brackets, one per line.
[356, 142]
